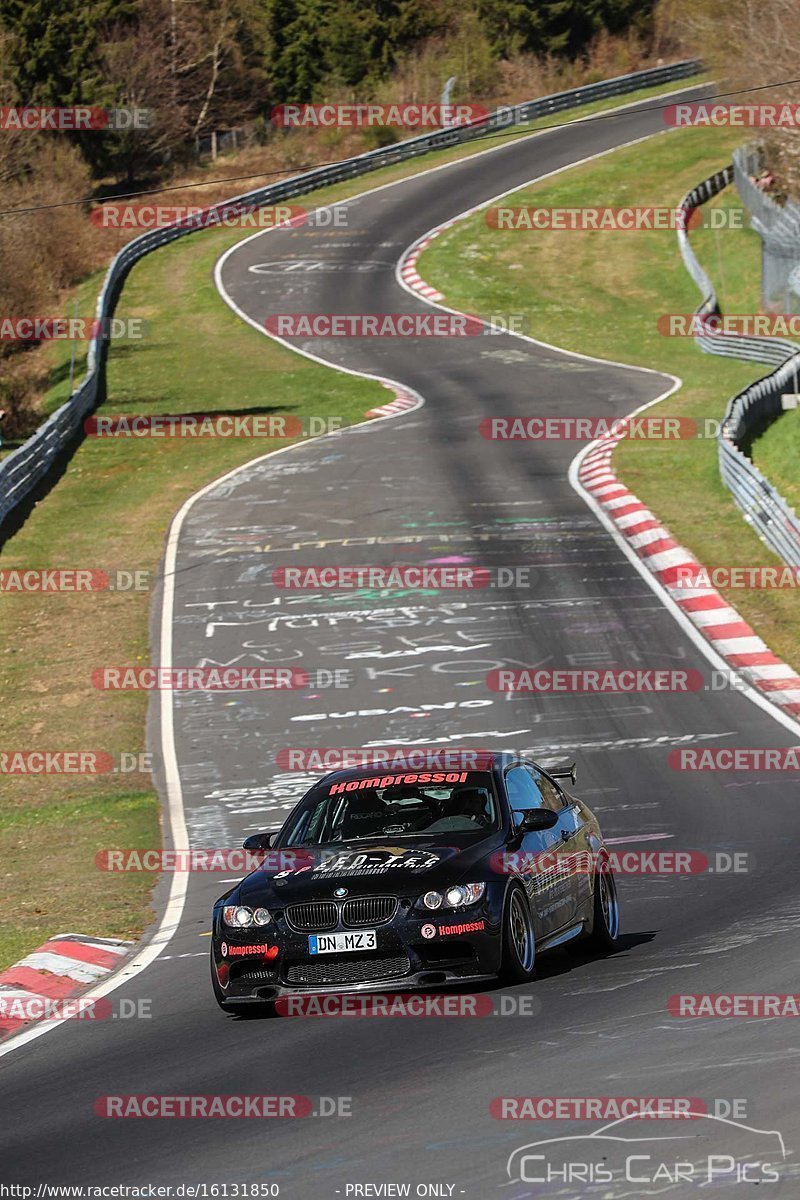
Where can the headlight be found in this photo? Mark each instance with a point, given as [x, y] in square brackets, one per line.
[238, 916]
[455, 897]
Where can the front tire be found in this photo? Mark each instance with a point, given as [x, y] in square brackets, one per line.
[519, 943]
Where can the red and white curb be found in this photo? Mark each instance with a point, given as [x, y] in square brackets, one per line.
[403, 402]
[408, 267]
[719, 623]
[66, 964]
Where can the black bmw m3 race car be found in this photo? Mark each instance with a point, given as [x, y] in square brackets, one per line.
[400, 879]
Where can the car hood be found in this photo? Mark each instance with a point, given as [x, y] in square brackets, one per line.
[368, 866]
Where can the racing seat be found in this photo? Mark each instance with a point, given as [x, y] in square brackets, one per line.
[365, 815]
[417, 815]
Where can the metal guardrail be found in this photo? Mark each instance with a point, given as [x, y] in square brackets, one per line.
[778, 226]
[763, 506]
[26, 466]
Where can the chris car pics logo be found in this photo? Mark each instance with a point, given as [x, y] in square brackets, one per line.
[706, 1152]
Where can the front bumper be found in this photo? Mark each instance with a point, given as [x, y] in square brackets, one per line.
[413, 950]
[409, 983]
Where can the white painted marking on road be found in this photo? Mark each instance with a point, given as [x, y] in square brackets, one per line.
[641, 837]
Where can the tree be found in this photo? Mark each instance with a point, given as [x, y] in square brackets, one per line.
[760, 46]
[560, 27]
[54, 48]
[316, 44]
[193, 65]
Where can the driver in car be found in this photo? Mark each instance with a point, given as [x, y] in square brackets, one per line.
[471, 803]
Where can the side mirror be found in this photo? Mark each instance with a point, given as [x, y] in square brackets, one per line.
[259, 841]
[536, 819]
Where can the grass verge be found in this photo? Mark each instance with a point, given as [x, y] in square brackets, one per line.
[776, 453]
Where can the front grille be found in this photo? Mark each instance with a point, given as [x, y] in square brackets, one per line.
[358, 970]
[308, 918]
[369, 910]
[317, 915]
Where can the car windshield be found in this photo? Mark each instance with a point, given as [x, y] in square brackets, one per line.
[402, 806]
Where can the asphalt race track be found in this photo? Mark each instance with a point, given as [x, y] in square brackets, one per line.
[426, 487]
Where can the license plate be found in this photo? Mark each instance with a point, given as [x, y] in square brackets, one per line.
[342, 943]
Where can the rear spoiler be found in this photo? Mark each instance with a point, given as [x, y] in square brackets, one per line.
[565, 773]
